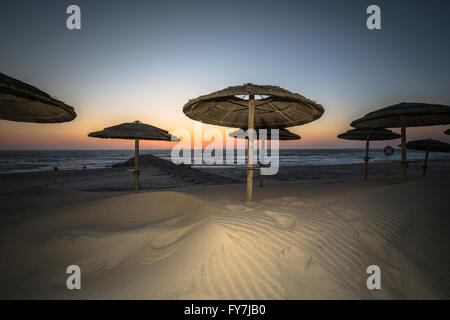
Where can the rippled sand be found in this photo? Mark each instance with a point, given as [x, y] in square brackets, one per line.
[298, 240]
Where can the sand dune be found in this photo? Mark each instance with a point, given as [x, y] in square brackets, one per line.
[40, 198]
[174, 245]
[155, 173]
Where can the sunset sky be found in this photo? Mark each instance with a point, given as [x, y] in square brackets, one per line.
[143, 60]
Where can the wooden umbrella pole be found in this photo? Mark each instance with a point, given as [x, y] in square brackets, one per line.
[136, 166]
[366, 159]
[263, 141]
[404, 179]
[425, 164]
[251, 120]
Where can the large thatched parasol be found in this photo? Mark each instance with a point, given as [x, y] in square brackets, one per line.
[368, 135]
[428, 145]
[405, 115]
[22, 102]
[447, 131]
[134, 131]
[283, 134]
[275, 108]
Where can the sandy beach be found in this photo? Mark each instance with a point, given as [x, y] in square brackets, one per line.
[310, 234]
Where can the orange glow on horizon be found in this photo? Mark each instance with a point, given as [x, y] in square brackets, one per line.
[73, 135]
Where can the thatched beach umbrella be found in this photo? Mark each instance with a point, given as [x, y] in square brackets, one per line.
[22, 102]
[447, 131]
[368, 135]
[283, 135]
[276, 108]
[428, 145]
[405, 115]
[134, 131]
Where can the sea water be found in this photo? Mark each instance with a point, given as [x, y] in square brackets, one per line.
[44, 160]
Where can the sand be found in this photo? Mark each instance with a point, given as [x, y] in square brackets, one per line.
[303, 239]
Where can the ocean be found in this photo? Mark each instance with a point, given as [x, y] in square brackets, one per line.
[44, 160]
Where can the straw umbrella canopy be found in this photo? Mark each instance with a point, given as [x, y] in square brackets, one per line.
[22, 102]
[134, 131]
[283, 135]
[405, 115]
[368, 135]
[447, 131]
[276, 108]
[428, 145]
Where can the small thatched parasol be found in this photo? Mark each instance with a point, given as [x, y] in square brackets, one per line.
[22, 102]
[368, 135]
[134, 131]
[283, 134]
[447, 131]
[275, 108]
[405, 115]
[428, 145]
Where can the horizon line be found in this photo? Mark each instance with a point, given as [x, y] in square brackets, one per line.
[141, 149]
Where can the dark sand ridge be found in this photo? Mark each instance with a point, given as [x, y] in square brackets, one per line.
[156, 174]
[31, 191]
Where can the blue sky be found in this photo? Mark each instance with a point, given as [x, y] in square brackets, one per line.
[144, 60]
